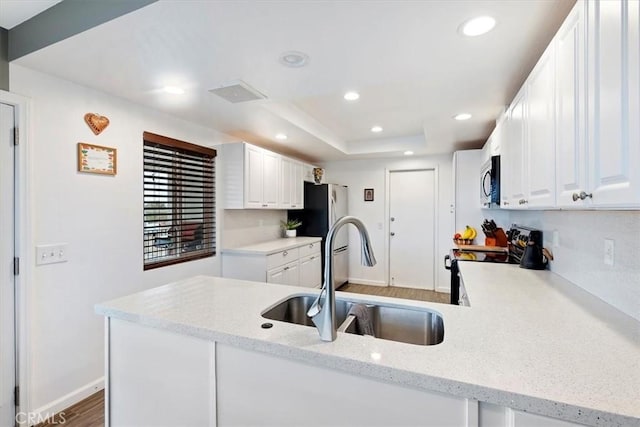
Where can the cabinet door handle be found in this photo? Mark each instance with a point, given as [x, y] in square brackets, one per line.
[265, 205]
[285, 253]
[583, 195]
[286, 268]
[392, 233]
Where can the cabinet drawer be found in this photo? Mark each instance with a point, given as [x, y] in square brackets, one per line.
[309, 249]
[281, 258]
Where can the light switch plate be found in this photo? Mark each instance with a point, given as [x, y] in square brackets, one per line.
[51, 254]
[609, 252]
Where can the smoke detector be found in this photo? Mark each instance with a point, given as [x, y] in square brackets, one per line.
[237, 92]
[294, 59]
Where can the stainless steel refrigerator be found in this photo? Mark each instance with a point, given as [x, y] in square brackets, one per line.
[323, 205]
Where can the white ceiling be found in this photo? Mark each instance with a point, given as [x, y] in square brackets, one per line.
[14, 12]
[413, 70]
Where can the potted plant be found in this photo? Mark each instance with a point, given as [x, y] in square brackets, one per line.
[289, 226]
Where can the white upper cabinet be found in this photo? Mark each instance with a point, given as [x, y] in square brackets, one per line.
[571, 163]
[291, 184]
[285, 187]
[255, 178]
[297, 188]
[270, 179]
[251, 177]
[513, 164]
[572, 134]
[613, 116]
[261, 178]
[528, 150]
[254, 174]
[540, 131]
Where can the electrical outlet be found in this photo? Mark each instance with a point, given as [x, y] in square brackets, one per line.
[608, 251]
[51, 254]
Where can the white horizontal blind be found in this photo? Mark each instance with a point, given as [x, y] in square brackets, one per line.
[179, 201]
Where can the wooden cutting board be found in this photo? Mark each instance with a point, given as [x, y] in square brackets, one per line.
[482, 248]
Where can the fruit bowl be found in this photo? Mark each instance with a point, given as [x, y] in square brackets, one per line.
[463, 241]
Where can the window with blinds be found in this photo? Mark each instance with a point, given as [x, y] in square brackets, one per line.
[179, 201]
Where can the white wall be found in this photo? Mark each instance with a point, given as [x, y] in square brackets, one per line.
[371, 173]
[579, 256]
[100, 217]
[248, 226]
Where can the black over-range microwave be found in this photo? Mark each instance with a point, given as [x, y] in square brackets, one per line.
[490, 183]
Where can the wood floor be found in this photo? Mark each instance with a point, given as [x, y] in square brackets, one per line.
[396, 292]
[86, 413]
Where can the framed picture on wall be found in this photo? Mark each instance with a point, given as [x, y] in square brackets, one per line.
[97, 159]
[368, 194]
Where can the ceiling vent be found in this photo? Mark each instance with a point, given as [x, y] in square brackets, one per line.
[238, 91]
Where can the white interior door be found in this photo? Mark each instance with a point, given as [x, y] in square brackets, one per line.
[412, 229]
[7, 307]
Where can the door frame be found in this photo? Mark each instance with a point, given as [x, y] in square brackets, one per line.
[387, 218]
[24, 244]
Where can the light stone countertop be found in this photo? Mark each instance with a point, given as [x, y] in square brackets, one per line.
[530, 340]
[272, 246]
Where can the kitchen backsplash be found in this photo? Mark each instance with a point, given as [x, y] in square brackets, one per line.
[245, 226]
[579, 257]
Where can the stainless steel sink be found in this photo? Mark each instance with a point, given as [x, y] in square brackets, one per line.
[294, 310]
[390, 322]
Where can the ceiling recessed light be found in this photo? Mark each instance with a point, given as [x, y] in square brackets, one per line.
[376, 129]
[478, 26]
[281, 136]
[351, 96]
[408, 153]
[294, 59]
[462, 116]
[174, 90]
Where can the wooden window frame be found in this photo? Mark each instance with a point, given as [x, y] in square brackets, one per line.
[177, 254]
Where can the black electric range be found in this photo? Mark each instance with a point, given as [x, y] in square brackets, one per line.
[517, 238]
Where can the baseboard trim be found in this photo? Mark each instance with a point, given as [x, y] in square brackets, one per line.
[68, 400]
[367, 282]
[446, 290]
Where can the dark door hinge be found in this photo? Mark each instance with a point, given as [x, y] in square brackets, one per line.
[16, 136]
[16, 395]
[16, 266]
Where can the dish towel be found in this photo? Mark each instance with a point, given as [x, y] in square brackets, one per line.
[364, 325]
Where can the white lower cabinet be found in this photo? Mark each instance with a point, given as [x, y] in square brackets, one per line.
[189, 381]
[490, 415]
[311, 270]
[296, 266]
[287, 274]
[523, 419]
[281, 392]
[175, 374]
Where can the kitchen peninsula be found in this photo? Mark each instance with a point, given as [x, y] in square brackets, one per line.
[532, 348]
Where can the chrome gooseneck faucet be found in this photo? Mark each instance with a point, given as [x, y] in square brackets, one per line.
[323, 313]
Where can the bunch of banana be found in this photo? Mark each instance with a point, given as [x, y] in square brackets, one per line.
[467, 236]
[469, 233]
